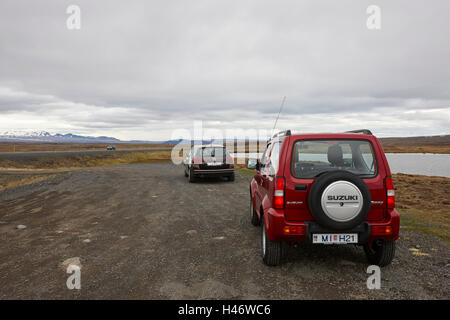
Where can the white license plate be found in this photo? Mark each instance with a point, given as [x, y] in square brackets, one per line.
[335, 238]
[214, 164]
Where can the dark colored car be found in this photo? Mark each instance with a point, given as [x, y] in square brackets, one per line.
[111, 148]
[208, 161]
[324, 189]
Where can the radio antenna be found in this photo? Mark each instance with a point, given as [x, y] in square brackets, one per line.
[281, 108]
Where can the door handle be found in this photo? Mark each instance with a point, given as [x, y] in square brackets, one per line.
[300, 187]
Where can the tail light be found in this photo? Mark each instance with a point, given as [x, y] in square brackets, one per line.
[196, 162]
[278, 197]
[294, 230]
[381, 229]
[390, 193]
[230, 162]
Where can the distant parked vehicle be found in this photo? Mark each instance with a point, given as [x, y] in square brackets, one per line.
[208, 161]
[111, 148]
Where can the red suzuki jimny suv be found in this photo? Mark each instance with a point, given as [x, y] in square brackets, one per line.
[324, 189]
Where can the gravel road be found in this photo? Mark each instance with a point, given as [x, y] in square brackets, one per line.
[141, 231]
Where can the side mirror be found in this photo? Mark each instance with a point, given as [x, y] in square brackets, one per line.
[253, 164]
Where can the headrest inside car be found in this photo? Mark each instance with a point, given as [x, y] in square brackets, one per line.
[335, 155]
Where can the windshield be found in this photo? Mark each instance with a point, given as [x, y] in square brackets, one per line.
[313, 157]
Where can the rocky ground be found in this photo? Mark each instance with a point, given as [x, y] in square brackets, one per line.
[142, 231]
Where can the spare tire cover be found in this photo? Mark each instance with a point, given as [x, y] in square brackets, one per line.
[339, 200]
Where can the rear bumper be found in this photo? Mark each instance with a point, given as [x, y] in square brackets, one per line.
[213, 172]
[363, 231]
[367, 231]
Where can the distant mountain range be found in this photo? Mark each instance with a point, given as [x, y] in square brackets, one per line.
[44, 136]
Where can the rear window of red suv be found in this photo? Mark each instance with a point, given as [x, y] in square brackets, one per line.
[313, 157]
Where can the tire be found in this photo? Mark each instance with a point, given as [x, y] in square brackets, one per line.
[315, 198]
[380, 253]
[191, 176]
[254, 219]
[231, 178]
[271, 250]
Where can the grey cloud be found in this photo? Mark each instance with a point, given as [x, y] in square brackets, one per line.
[142, 63]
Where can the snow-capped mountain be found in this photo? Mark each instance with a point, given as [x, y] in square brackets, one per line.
[21, 133]
[44, 136]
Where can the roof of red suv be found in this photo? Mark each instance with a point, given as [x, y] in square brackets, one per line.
[333, 135]
[354, 134]
[328, 136]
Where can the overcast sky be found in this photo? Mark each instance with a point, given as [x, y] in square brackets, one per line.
[140, 69]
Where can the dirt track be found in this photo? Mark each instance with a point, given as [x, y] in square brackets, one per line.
[153, 235]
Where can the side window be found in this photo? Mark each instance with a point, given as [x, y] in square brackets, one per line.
[265, 156]
[368, 157]
[274, 158]
[189, 156]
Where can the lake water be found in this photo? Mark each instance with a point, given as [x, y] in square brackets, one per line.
[428, 164]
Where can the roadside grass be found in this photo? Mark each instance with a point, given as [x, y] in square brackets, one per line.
[80, 161]
[427, 222]
[132, 157]
[423, 203]
[246, 171]
[241, 165]
[7, 181]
